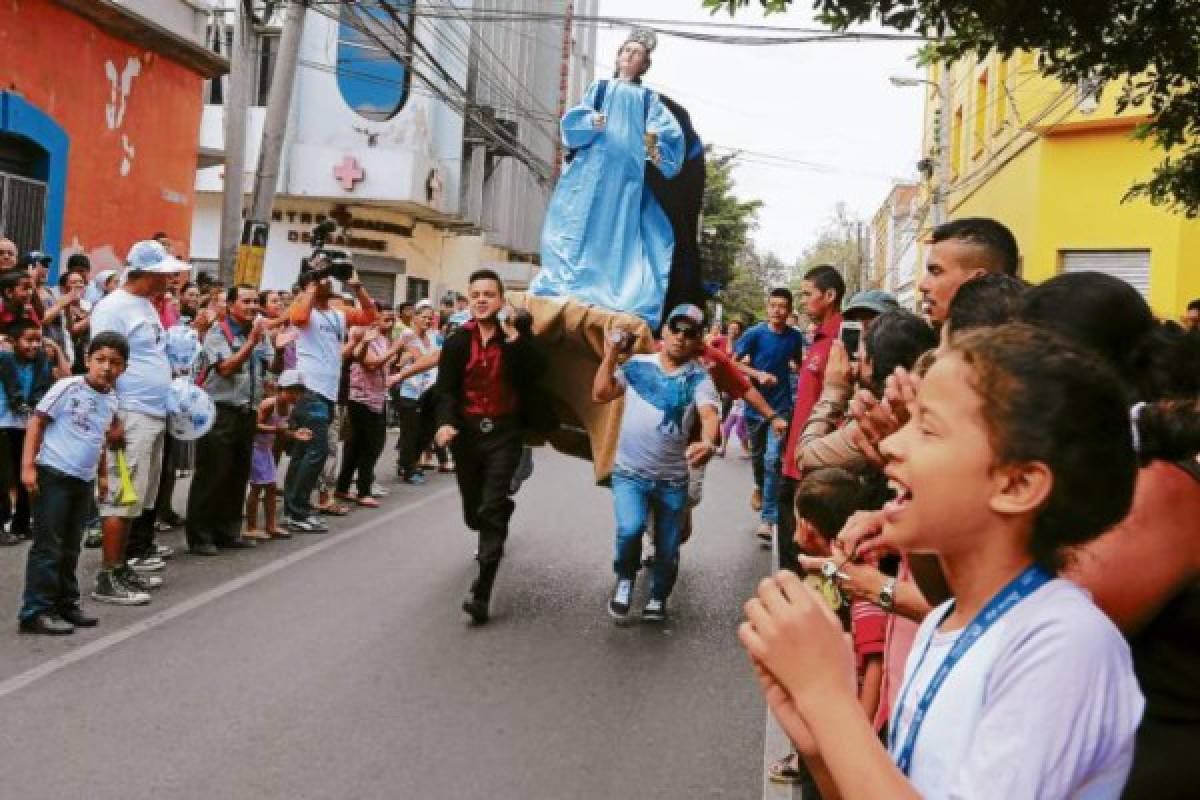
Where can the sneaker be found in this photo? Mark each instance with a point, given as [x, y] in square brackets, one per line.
[655, 610]
[765, 533]
[137, 581]
[756, 499]
[622, 596]
[93, 538]
[378, 491]
[8, 540]
[163, 552]
[47, 623]
[319, 525]
[146, 564]
[110, 589]
[307, 525]
[416, 479]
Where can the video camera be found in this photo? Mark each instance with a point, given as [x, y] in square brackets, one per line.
[333, 263]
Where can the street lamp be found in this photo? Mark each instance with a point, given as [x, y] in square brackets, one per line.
[938, 198]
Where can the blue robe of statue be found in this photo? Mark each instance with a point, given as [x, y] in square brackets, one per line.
[606, 239]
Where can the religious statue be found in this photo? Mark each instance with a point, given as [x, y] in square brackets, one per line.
[607, 239]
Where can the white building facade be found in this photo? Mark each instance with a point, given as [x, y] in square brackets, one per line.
[894, 232]
[429, 135]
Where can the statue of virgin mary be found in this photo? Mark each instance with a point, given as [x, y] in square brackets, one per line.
[606, 239]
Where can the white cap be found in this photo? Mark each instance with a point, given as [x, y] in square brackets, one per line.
[290, 378]
[150, 256]
[423, 304]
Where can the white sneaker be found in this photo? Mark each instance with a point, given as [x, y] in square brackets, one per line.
[618, 606]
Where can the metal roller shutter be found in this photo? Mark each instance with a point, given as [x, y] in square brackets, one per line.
[1131, 266]
[380, 285]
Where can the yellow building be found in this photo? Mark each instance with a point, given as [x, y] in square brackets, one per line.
[1052, 162]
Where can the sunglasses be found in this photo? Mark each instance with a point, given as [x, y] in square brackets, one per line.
[688, 331]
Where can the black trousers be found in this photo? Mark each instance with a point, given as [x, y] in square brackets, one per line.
[21, 514]
[364, 444]
[789, 551]
[416, 433]
[216, 501]
[486, 463]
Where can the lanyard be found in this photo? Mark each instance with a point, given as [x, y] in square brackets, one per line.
[1025, 584]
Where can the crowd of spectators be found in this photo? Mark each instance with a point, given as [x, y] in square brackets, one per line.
[311, 375]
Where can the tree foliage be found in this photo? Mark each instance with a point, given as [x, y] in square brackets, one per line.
[727, 221]
[1150, 47]
[841, 243]
[754, 274]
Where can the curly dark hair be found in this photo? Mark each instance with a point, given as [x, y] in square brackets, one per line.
[1048, 400]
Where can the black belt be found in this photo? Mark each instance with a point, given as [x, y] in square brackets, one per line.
[486, 425]
[246, 409]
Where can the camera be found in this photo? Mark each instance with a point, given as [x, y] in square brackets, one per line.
[334, 263]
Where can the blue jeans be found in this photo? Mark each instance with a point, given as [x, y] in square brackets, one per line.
[766, 450]
[634, 498]
[315, 412]
[59, 508]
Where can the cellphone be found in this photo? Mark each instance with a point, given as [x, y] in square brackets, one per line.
[851, 335]
[502, 316]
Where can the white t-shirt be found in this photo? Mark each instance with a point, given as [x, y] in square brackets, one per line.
[79, 416]
[1044, 705]
[660, 409]
[417, 385]
[319, 351]
[144, 384]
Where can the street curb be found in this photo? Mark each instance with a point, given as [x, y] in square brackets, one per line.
[775, 742]
[30, 676]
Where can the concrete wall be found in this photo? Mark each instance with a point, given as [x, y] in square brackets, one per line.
[132, 117]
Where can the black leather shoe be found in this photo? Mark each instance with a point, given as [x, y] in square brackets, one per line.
[78, 617]
[238, 544]
[477, 608]
[46, 623]
[203, 549]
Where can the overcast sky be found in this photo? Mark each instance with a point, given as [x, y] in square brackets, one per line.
[828, 104]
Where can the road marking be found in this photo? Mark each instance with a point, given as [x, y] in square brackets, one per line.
[18, 682]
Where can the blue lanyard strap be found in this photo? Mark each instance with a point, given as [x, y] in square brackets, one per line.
[1025, 584]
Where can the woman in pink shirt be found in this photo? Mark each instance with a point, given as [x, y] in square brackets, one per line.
[370, 351]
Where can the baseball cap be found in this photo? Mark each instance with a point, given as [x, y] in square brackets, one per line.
[423, 304]
[35, 257]
[875, 301]
[689, 312]
[290, 379]
[150, 256]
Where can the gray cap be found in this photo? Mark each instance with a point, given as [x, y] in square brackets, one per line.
[876, 301]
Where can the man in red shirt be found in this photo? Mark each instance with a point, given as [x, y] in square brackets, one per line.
[821, 293]
[488, 371]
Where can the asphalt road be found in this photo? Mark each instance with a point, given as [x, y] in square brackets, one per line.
[340, 666]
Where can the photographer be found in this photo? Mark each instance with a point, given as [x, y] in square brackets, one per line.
[320, 332]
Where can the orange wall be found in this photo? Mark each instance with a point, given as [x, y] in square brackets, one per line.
[56, 61]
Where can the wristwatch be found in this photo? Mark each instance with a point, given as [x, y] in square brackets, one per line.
[887, 595]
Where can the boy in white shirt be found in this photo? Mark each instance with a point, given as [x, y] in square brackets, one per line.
[64, 453]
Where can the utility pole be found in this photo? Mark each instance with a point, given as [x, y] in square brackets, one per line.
[943, 159]
[236, 100]
[474, 145]
[564, 84]
[279, 101]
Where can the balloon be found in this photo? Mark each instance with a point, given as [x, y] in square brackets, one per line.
[190, 411]
[183, 347]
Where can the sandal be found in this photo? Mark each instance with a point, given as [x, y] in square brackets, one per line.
[334, 510]
[256, 533]
[788, 770]
[278, 533]
[344, 496]
[368, 502]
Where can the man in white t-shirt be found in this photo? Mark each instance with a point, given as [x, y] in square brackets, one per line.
[321, 329]
[664, 394]
[142, 395]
